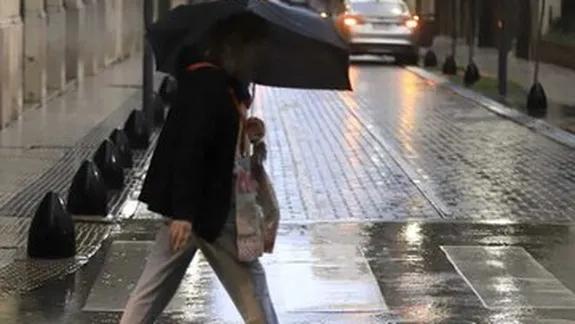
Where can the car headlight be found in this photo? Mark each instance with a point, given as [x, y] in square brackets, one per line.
[352, 21]
[411, 23]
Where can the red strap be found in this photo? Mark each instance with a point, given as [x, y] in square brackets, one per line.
[199, 65]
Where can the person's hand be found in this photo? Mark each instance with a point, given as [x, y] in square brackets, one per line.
[255, 129]
[180, 233]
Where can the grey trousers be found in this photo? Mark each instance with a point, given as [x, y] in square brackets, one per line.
[245, 282]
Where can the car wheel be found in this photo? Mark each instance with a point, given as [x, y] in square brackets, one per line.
[407, 59]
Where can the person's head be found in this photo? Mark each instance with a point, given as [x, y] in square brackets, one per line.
[234, 43]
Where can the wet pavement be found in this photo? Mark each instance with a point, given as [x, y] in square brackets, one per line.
[401, 147]
[400, 204]
[42, 151]
[556, 80]
[412, 272]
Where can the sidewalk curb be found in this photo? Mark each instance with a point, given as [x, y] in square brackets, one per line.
[539, 126]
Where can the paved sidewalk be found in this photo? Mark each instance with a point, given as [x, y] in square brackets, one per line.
[557, 81]
[36, 141]
[42, 151]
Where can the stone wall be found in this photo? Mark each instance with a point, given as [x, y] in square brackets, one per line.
[46, 45]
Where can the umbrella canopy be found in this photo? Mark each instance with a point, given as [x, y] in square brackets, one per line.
[300, 49]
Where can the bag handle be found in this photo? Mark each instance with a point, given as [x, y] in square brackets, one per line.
[199, 65]
[241, 143]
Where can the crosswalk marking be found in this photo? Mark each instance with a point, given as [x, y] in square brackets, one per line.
[124, 262]
[302, 277]
[508, 277]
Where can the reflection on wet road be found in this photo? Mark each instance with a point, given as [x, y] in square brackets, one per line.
[482, 166]
[307, 274]
[349, 273]
[399, 145]
[425, 278]
[327, 165]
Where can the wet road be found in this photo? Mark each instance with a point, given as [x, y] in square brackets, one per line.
[480, 165]
[409, 272]
[381, 191]
[402, 133]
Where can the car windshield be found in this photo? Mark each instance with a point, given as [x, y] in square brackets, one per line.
[376, 8]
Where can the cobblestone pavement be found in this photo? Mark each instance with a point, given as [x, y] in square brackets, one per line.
[481, 166]
[328, 165]
[399, 144]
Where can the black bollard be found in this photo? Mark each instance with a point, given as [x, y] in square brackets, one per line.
[88, 194]
[168, 89]
[159, 111]
[430, 59]
[537, 101]
[108, 161]
[449, 66]
[471, 75]
[137, 129]
[52, 234]
[120, 140]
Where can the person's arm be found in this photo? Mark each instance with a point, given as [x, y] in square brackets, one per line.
[200, 124]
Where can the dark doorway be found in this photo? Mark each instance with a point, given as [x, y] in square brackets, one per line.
[567, 21]
[525, 31]
[487, 24]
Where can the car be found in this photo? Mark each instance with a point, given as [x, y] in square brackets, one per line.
[381, 27]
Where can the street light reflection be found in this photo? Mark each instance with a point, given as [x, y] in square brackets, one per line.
[423, 313]
[496, 264]
[496, 253]
[502, 221]
[408, 90]
[412, 234]
[505, 285]
[505, 318]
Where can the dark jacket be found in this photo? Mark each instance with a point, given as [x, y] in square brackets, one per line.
[242, 91]
[190, 175]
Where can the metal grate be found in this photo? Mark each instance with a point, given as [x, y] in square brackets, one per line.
[23, 274]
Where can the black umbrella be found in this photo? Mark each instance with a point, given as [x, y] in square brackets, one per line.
[300, 50]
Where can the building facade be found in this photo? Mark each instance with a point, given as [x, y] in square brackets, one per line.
[47, 45]
[454, 16]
